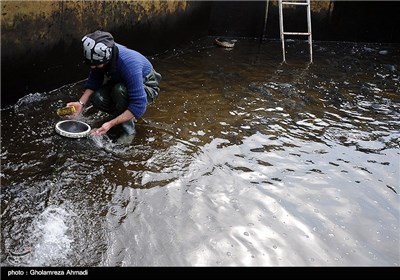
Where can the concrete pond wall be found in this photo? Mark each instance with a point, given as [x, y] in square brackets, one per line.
[41, 48]
[41, 40]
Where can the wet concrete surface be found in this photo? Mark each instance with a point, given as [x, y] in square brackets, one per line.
[242, 161]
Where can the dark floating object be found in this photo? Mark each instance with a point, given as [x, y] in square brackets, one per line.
[225, 43]
[73, 129]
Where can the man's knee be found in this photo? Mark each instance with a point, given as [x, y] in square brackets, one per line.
[101, 99]
[152, 86]
[119, 90]
[120, 97]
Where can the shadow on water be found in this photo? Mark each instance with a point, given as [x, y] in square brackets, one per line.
[242, 160]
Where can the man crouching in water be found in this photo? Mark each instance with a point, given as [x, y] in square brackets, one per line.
[121, 82]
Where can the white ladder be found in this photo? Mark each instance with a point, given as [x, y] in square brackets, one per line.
[283, 33]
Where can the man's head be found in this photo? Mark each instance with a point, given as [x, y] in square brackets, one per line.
[97, 47]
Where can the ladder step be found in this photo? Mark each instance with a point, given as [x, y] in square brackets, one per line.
[295, 3]
[297, 33]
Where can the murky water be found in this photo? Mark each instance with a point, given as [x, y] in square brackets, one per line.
[242, 161]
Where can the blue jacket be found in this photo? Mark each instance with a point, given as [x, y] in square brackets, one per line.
[128, 67]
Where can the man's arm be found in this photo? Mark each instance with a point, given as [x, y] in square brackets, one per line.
[124, 117]
[81, 103]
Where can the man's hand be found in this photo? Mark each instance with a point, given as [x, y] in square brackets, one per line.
[78, 108]
[80, 104]
[125, 116]
[101, 130]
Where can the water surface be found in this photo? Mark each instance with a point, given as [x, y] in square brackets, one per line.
[242, 161]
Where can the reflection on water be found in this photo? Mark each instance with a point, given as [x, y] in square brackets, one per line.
[241, 161]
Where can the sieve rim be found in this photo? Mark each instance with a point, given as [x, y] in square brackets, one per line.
[68, 134]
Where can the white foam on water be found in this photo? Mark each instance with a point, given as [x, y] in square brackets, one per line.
[29, 99]
[97, 141]
[104, 142]
[51, 241]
